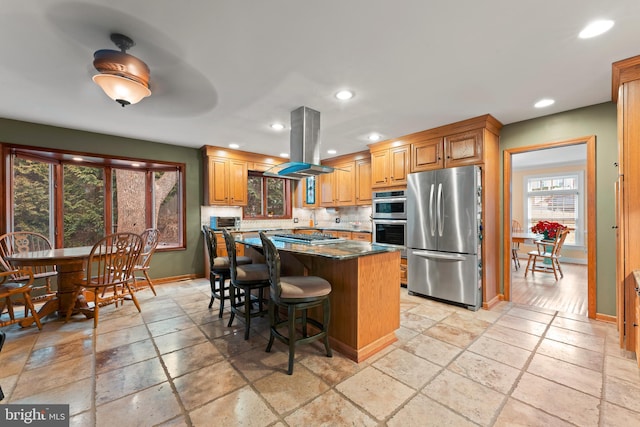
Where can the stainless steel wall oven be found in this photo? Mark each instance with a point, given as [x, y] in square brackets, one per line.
[389, 215]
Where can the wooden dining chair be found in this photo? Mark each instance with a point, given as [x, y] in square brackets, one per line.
[109, 272]
[28, 241]
[516, 227]
[150, 238]
[10, 289]
[547, 250]
[295, 294]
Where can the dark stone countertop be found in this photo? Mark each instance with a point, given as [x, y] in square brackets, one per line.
[340, 250]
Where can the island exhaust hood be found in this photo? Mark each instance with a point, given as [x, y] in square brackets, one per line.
[304, 147]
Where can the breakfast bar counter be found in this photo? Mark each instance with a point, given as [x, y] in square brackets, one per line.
[365, 289]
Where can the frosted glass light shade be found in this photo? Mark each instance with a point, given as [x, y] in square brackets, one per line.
[121, 89]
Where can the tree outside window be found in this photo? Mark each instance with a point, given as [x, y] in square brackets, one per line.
[96, 199]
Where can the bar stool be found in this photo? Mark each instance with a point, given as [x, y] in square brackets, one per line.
[295, 293]
[246, 278]
[219, 271]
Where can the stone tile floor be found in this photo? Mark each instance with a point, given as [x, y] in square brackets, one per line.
[177, 364]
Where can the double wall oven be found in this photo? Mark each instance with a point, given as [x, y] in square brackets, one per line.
[389, 215]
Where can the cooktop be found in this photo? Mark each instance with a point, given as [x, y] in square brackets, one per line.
[309, 239]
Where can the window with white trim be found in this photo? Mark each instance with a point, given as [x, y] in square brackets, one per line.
[559, 198]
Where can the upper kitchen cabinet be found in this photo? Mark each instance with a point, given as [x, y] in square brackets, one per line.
[389, 165]
[363, 181]
[338, 188]
[427, 155]
[458, 144]
[226, 182]
[463, 149]
[349, 184]
[226, 174]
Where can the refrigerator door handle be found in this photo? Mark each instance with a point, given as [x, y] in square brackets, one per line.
[440, 207]
[432, 222]
[440, 255]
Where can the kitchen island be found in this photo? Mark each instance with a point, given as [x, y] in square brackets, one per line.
[365, 284]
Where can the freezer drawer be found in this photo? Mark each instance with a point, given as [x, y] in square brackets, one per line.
[447, 276]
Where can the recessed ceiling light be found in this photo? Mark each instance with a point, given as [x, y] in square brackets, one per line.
[277, 126]
[285, 155]
[374, 137]
[234, 145]
[135, 165]
[344, 95]
[596, 28]
[331, 151]
[78, 159]
[544, 103]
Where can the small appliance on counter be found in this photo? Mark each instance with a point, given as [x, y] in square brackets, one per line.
[222, 222]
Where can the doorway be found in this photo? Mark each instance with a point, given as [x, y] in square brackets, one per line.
[589, 213]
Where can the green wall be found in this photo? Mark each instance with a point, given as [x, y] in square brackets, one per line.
[599, 120]
[163, 264]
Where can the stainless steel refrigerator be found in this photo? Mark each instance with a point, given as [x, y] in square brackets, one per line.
[444, 235]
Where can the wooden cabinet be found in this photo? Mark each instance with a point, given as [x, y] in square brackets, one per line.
[626, 93]
[463, 149]
[226, 182]
[363, 182]
[338, 188]
[427, 155]
[361, 236]
[460, 149]
[226, 174]
[389, 167]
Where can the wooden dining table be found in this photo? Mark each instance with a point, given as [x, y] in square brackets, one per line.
[69, 264]
[525, 237]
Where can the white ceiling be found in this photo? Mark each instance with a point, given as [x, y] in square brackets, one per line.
[222, 71]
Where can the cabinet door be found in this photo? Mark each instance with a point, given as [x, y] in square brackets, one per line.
[399, 165]
[218, 176]
[363, 182]
[427, 155]
[379, 169]
[238, 176]
[362, 237]
[326, 187]
[344, 181]
[463, 149]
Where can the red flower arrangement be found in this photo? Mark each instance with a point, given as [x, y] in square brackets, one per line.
[548, 228]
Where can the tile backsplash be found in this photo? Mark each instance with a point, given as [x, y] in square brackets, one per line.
[351, 218]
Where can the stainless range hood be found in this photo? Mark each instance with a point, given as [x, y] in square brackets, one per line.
[304, 147]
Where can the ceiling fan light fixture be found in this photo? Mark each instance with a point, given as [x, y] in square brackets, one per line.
[123, 77]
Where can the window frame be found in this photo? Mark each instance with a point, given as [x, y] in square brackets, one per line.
[57, 158]
[287, 202]
[580, 230]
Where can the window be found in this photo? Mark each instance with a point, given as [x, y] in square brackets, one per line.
[556, 198]
[268, 197]
[97, 196]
